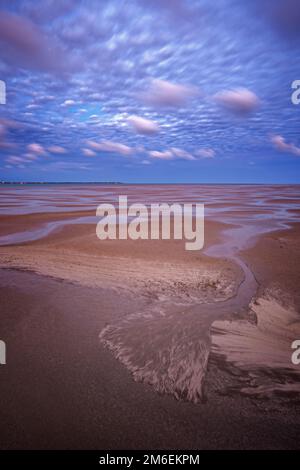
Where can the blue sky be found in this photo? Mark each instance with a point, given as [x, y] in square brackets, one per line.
[150, 91]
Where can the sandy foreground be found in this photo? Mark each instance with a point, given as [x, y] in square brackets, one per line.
[141, 344]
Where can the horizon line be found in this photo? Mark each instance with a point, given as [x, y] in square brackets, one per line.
[24, 183]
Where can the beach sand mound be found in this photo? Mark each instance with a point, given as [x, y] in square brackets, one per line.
[263, 351]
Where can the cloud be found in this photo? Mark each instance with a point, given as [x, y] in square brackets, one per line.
[109, 146]
[164, 93]
[280, 144]
[32, 106]
[205, 153]
[88, 152]
[171, 154]
[36, 149]
[68, 103]
[240, 101]
[143, 126]
[179, 153]
[56, 149]
[24, 45]
[166, 155]
[94, 145]
[13, 160]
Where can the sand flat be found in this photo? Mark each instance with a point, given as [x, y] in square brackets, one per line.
[182, 330]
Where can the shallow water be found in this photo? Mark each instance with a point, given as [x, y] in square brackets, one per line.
[254, 209]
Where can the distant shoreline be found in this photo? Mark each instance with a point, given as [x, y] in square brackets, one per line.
[107, 183]
[56, 182]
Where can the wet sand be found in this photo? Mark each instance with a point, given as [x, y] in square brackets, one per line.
[141, 344]
[61, 389]
[262, 348]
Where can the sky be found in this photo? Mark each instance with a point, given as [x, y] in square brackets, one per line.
[161, 91]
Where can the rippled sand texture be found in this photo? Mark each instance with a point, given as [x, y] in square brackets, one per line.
[263, 350]
[188, 295]
[164, 349]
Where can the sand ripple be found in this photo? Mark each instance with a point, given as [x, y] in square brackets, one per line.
[166, 350]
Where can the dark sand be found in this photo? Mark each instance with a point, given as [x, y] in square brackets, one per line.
[61, 389]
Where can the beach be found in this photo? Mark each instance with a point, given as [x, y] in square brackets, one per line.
[140, 343]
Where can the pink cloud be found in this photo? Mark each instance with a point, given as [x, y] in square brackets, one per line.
[88, 152]
[205, 153]
[23, 44]
[179, 153]
[171, 154]
[109, 146]
[280, 144]
[13, 160]
[143, 126]
[164, 93]
[56, 149]
[240, 101]
[36, 149]
[166, 155]
[94, 145]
